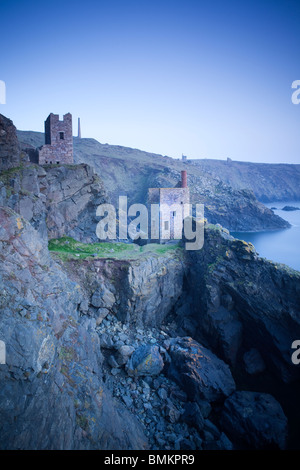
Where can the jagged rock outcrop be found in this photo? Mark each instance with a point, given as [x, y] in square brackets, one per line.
[255, 420]
[22, 190]
[52, 395]
[240, 211]
[242, 301]
[141, 292]
[10, 155]
[57, 201]
[73, 195]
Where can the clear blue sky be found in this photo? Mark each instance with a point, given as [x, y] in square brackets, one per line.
[204, 78]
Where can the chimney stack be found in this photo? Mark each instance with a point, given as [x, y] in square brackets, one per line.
[183, 179]
[79, 129]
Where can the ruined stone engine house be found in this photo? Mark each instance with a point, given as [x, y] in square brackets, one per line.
[171, 220]
[58, 146]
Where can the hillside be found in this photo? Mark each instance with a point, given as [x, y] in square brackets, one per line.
[131, 172]
[269, 181]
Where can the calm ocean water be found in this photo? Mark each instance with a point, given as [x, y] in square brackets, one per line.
[282, 246]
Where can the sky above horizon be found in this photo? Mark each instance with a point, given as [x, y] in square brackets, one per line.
[199, 78]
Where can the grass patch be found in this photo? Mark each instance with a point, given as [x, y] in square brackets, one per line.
[68, 248]
[11, 171]
[7, 175]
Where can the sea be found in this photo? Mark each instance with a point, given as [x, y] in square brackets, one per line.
[281, 246]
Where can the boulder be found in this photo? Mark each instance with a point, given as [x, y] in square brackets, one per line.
[106, 341]
[112, 362]
[103, 298]
[145, 360]
[101, 314]
[200, 373]
[254, 420]
[192, 416]
[171, 412]
[124, 353]
[84, 306]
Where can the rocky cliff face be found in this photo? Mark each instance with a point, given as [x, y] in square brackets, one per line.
[52, 394]
[268, 181]
[143, 351]
[57, 201]
[139, 292]
[9, 146]
[66, 383]
[73, 195]
[242, 302]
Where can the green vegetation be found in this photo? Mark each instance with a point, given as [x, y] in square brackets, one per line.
[67, 354]
[212, 266]
[6, 176]
[214, 227]
[82, 421]
[8, 173]
[68, 248]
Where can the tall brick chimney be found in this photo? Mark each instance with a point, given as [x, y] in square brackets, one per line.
[79, 129]
[183, 179]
